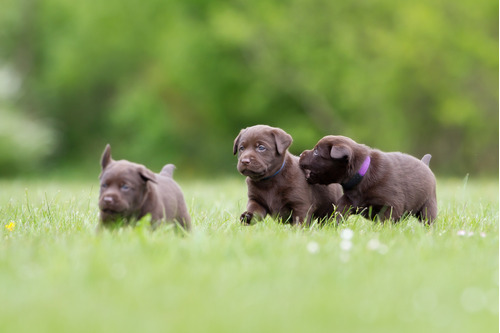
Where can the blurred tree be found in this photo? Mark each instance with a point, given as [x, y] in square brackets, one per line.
[174, 81]
[24, 143]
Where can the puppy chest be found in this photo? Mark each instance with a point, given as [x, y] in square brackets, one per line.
[277, 202]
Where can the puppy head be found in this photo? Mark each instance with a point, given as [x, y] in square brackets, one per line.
[261, 150]
[124, 186]
[331, 160]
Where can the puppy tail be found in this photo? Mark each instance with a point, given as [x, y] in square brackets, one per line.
[168, 170]
[426, 159]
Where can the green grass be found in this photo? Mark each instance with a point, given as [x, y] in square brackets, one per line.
[58, 275]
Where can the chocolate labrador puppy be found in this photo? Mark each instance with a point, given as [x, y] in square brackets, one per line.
[276, 184]
[386, 185]
[129, 191]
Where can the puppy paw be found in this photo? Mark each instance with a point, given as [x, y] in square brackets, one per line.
[246, 218]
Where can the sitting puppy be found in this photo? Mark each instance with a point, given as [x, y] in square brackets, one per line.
[129, 191]
[276, 184]
[388, 185]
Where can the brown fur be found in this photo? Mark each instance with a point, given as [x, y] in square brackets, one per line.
[394, 185]
[129, 191]
[261, 152]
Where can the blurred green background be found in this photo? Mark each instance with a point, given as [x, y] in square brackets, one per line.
[175, 81]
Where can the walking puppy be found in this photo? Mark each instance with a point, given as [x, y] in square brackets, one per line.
[129, 191]
[276, 184]
[387, 185]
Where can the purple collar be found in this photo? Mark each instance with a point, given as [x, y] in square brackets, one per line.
[356, 179]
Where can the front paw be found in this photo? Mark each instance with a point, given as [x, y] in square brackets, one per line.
[246, 218]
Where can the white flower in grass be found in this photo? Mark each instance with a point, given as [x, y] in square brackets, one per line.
[345, 245]
[373, 244]
[346, 234]
[465, 233]
[383, 249]
[313, 247]
[482, 234]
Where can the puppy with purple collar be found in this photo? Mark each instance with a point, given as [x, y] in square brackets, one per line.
[276, 184]
[375, 183]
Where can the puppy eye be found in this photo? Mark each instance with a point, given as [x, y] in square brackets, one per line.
[315, 152]
[261, 148]
[104, 185]
[241, 148]
[125, 187]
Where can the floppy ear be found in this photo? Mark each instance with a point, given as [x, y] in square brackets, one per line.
[106, 157]
[340, 151]
[282, 139]
[147, 175]
[237, 142]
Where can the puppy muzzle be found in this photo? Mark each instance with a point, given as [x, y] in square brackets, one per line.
[111, 205]
[250, 168]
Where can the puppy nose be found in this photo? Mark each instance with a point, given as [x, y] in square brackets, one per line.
[245, 161]
[108, 199]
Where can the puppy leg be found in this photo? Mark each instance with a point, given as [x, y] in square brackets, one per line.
[183, 217]
[343, 210]
[301, 214]
[254, 209]
[428, 212]
[389, 213]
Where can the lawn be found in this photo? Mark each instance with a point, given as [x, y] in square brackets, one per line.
[57, 274]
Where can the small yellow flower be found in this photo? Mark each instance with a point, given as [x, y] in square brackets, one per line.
[10, 226]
